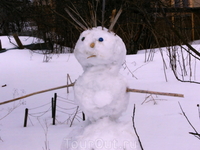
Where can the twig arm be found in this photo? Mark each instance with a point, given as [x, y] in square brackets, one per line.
[39, 92]
[154, 92]
[72, 84]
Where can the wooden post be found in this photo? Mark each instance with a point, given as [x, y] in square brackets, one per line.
[54, 107]
[19, 43]
[83, 116]
[0, 45]
[1, 49]
[26, 117]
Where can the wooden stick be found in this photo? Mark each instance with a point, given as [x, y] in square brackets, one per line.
[39, 92]
[18, 41]
[154, 92]
[0, 45]
[115, 20]
[72, 84]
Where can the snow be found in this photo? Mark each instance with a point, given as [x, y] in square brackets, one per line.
[159, 120]
[108, 135]
[110, 52]
[101, 90]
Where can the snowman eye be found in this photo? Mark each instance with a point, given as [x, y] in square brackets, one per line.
[100, 39]
[83, 38]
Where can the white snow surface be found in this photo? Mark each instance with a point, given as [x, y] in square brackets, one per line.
[159, 120]
[110, 135]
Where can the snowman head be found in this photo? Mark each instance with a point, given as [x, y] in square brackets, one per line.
[98, 47]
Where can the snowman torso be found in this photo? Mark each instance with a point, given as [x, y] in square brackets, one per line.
[101, 90]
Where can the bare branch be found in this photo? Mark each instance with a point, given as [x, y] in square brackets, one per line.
[72, 84]
[80, 24]
[39, 92]
[74, 116]
[115, 20]
[133, 120]
[78, 14]
[103, 13]
[196, 133]
[154, 92]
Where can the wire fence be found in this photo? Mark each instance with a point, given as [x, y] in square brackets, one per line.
[56, 107]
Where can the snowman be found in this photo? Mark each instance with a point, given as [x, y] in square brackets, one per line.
[101, 90]
[101, 93]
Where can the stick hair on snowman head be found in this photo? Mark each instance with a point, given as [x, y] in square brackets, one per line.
[100, 47]
[113, 19]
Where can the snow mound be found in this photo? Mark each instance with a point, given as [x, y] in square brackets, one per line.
[104, 134]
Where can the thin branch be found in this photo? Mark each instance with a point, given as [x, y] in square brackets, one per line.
[188, 119]
[78, 14]
[72, 84]
[154, 92]
[176, 76]
[103, 13]
[115, 20]
[80, 24]
[177, 32]
[74, 116]
[39, 92]
[78, 27]
[133, 120]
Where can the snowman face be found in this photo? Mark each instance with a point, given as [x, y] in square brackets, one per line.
[97, 47]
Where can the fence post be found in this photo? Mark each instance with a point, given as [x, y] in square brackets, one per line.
[18, 41]
[26, 117]
[0, 45]
[54, 108]
[83, 116]
[1, 49]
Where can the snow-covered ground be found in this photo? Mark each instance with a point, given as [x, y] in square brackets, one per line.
[159, 120]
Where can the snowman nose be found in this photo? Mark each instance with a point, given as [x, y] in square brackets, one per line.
[92, 45]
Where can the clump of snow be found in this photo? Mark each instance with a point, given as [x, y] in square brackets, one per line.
[103, 134]
[99, 94]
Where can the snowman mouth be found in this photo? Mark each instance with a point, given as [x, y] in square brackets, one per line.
[91, 56]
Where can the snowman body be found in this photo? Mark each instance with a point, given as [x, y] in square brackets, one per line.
[101, 90]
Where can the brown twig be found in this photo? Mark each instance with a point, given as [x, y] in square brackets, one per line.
[75, 20]
[68, 79]
[154, 92]
[72, 84]
[115, 20]
[133, 120]
[151, 98]
[74, 116]
[196, 134]
[39, 92]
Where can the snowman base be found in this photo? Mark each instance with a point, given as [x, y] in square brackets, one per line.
[104, 134]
